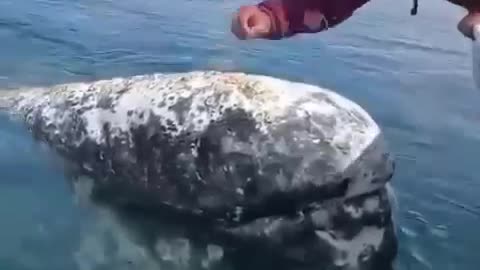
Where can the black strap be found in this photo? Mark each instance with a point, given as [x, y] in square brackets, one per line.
[414, 10]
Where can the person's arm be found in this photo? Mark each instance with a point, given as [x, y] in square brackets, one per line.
[290, 17]
[277, 19]
[467, 23]
[467, 4]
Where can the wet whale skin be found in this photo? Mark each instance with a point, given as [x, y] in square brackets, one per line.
[260, 165]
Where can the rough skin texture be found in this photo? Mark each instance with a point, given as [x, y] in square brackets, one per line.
[289, 169]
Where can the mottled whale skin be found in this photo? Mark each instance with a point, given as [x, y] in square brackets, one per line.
[293, 168]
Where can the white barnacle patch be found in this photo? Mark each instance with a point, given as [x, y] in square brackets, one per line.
[354, 212]
[215, 253]
[238, 213]
[177, 251]
[321, 218]
[316, 107]
[354, 249]
[240, 191]
[371, 204]
[211, 94]
[230, 145]
[281, 181]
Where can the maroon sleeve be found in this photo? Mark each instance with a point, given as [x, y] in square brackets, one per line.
[290, 17]
[471, 5]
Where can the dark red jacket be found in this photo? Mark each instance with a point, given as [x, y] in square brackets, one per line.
[291, 17]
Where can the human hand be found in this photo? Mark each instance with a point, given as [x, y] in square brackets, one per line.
[250, 22]
[466, 25]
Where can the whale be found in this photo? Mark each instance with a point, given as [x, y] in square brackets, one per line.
[260, 164]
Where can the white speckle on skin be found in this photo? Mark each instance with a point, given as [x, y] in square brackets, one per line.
[215, 253]
[371, 204]
[238, 213]
[321, 218]
[270, 99]
[320, 108]
[240, 191]
[177, 250]
[353, 248]
[353, 211]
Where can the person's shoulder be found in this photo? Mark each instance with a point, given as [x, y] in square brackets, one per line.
[468, 4]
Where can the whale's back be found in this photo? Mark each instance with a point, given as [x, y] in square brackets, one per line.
[202, 128]
[242, 151]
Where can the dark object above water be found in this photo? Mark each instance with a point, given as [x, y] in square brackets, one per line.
[293, 174]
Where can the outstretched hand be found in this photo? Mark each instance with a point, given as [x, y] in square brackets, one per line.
[466, 25]
[251, 22]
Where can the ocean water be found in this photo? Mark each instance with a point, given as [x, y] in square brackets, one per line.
[413, 74]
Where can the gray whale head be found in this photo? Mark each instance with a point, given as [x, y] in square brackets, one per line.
[261, 160]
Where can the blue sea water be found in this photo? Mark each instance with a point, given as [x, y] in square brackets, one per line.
[413, 74]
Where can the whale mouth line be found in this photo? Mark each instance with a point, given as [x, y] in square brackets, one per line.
[277, 204]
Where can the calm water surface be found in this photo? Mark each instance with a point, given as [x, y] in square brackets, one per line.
[411, 73]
